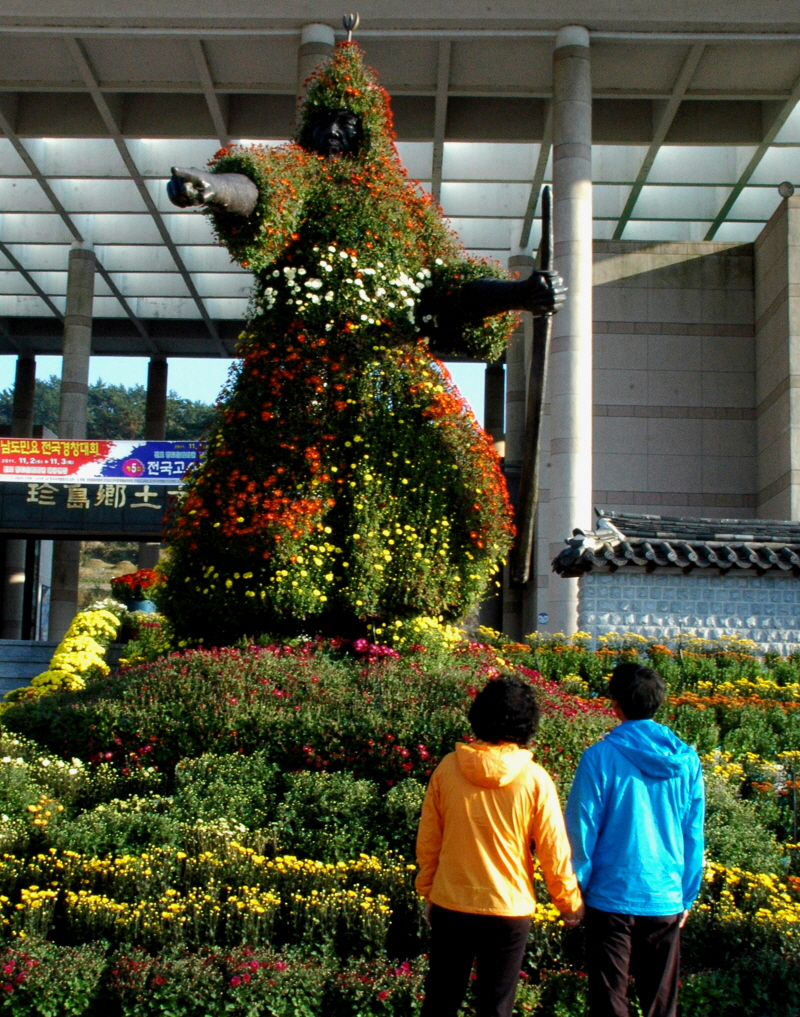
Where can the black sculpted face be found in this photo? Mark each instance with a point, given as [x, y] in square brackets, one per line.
[335, 132]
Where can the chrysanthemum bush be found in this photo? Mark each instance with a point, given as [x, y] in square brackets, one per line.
[345, 483]
[188, 818]
[80, 656]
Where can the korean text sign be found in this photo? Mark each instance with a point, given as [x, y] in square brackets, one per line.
[82, 461]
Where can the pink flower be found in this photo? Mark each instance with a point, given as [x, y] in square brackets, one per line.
[236, 980]
[280, 965]
[384, 994]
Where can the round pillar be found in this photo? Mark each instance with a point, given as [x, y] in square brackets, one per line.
[494, 397]
[72, 421]
[15, 550]
[155, 429]
[570, 371]
[316, 46]
[77, 343]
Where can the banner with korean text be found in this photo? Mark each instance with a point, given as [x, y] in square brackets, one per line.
[41, 460]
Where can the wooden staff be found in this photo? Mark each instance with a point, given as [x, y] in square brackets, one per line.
[522, 552]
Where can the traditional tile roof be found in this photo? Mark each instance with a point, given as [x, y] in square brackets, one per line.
[651, 542]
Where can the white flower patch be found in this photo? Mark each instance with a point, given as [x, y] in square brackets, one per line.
[314, 284]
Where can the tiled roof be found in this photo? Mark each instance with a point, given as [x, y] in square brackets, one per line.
[651, 542]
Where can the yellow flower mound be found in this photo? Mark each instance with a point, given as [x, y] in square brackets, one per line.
[80, 655]
[432, 633]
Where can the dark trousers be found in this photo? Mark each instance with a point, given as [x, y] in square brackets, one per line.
[457, 939]
[621, 946]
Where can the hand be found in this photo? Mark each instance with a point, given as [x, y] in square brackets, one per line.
[190, 187]
[683, 918]
[428, 910]
[574, 918]
[545, 293]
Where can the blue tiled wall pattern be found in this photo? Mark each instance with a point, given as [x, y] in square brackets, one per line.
[764, 608]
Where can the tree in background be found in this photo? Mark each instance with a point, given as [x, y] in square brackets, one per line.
[114, 411]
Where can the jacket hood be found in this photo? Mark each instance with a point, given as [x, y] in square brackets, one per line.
[651, 748]
[490, 765]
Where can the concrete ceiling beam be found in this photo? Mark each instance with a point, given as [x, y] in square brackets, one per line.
[665, 117]
[111, 122]
[440, 116]
[213, 100]
[776, 121]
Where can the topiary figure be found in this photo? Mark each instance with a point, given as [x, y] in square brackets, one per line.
[345, 480]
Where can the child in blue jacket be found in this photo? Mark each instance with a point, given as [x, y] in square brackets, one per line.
[635, 824]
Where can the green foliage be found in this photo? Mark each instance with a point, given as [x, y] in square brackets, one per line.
[739, 970]
[242, 789]
[734, 834]
[50, 981]
[696, 727]
[564, 994]
[330, 816]
[123, 825]
[114, 411]
[402, 807]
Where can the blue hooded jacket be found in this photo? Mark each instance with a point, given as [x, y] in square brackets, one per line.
[635, 821]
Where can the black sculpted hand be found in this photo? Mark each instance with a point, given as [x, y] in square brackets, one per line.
[190, 187]
[233, 193]
[544, 293]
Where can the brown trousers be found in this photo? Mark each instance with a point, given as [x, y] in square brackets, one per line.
[620, 946]
[457, 939]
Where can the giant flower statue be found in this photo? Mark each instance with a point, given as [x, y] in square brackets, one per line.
[345, 479]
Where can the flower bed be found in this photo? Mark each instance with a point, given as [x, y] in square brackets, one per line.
[232, 830]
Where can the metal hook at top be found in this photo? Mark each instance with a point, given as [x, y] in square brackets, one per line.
[350, 22]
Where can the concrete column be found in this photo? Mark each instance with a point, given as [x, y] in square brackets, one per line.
[518, 350]
[15, 550]
[316, 46]
[570, 372]
[494, 392]
[24, 392]
[777, 314]
[77, 343]
[494, 398]
[155, 429]
[155, 411]
[72, 421]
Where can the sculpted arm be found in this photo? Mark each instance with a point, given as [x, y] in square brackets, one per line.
[254, 197]
[233, 193]
[459, 311]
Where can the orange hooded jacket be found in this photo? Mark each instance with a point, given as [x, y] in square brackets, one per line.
[486, 808]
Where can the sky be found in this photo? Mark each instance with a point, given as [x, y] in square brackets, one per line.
[202, 378]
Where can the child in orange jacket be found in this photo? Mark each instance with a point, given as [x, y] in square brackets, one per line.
[488, 805]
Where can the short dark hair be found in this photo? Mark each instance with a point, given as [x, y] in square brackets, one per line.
[639, 690]
[505, 710]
